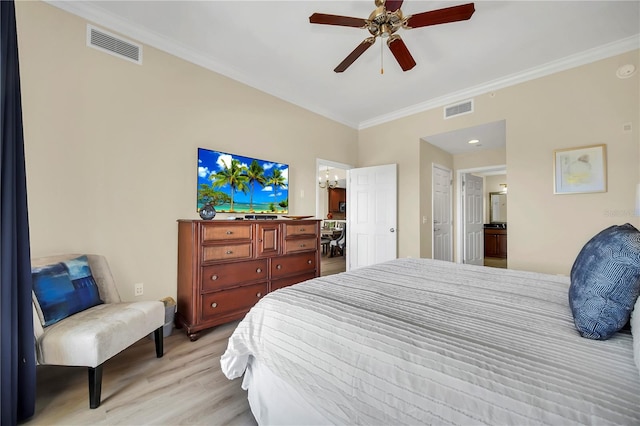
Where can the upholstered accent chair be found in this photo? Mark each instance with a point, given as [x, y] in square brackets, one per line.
[90, 336]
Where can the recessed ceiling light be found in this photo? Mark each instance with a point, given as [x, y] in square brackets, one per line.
[473, 141]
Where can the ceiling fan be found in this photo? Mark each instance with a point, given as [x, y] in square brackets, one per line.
[385, 20]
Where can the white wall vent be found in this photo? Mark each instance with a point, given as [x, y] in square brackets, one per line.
[113, 44]
[461, 108]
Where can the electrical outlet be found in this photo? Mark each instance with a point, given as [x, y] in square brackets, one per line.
[138, 289]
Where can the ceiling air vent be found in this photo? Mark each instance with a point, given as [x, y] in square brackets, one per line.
[113, 44]
[465, 107]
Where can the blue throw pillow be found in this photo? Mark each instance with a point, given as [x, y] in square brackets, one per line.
[64, 289]
[605, 282]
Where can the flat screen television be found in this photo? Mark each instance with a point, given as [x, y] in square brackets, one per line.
[237, 184]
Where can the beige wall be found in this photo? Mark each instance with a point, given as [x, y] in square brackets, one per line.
[581, 106]
[111, 146]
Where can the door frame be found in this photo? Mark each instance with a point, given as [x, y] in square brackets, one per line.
[498, 169]
[319, 191]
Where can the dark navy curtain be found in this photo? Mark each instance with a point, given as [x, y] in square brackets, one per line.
[17, 352]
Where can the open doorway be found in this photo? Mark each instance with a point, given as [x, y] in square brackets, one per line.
[331, 199]
[478, 150]
[481, 240]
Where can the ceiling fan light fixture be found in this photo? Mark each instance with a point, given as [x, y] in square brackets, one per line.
[385, 20]
[385, 31]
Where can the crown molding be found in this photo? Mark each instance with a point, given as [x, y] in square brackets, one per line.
[114, 23]
[576, 60]
[99, 16]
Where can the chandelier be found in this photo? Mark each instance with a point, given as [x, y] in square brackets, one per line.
[327, 184]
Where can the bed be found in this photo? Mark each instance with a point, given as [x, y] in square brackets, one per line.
[420, 341]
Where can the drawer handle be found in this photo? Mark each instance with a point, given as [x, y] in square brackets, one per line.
[229, 252]
[258, 270]
[229, 232]
[309, 261]
[302, 229]
[214, 277]
[259, 295]
[302, 245]
[214, 305]
[278, 266]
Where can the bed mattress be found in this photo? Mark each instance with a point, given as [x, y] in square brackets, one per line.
[418, 341]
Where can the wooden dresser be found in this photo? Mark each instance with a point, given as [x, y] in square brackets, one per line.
[226, 266]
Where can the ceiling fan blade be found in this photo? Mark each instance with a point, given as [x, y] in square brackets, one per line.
[393, 5]
[366, 43]
[401, 53]
[343, 21]
[441, 16]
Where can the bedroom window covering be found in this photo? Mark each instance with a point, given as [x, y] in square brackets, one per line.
[17, 352]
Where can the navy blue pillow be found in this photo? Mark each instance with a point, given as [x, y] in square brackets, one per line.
[605, 282]
[64, 289]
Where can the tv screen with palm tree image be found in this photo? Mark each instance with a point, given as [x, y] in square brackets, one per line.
[236, 184]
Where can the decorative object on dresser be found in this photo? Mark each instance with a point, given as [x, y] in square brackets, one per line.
[225, 267]
[207, 212]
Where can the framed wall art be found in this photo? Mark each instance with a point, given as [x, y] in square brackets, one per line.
[580, 170]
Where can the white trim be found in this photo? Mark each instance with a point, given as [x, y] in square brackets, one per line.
[576, 60]
[91, 12]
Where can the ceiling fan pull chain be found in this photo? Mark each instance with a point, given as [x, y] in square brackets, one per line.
[381, 56]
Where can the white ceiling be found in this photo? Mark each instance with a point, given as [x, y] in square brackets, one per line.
[271, 46]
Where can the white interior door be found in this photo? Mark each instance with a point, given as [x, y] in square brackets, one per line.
[442, 221]
[472, 196]
[372, 196]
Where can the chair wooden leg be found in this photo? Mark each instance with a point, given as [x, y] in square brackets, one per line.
[95, 386]
[159, 338]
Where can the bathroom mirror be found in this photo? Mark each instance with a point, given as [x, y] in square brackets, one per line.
[498, 207]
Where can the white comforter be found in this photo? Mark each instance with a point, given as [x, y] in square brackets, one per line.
[417, 341]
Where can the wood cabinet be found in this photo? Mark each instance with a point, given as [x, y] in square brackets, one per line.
[495, 243]
[337, 198]
[225, 266]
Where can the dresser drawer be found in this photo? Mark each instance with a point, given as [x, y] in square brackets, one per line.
[294, 264]
[300, 244]
[299, 228]
[225, 275]
[285, 282]
[215, 232]
[226, 252]
[240, 299]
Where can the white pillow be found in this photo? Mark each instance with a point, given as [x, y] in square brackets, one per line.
[635, 331]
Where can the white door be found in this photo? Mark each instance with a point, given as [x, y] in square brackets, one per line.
[442, 224]
[372, 196]
[472, 196]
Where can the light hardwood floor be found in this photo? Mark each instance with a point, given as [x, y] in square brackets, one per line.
[185, 387]
[332, 265]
